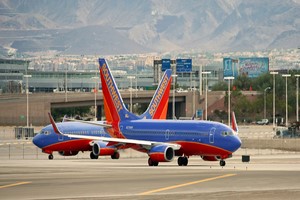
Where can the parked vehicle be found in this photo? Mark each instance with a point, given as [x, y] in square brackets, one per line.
[263, 122]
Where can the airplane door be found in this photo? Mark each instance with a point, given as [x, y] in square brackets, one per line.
[167, 134]
[60, 137]
[211, 135]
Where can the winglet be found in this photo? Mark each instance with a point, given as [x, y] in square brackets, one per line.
[234, 124]
[55, 128]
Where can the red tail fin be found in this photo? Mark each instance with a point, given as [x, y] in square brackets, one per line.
[233, 122]
[114, 108]
[159, 104]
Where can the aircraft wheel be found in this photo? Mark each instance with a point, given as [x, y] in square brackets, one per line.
[92, 156]
[185, 161]
[116, 155]
[50, 157]
[152, 163]
[180, 161]
[222, 163]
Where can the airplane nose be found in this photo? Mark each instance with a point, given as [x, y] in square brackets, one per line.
[238, 143]
[36, 141]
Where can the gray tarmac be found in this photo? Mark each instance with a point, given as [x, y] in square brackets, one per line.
[267, 176]
[26, 173]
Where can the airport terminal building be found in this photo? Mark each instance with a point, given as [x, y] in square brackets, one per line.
[14, 75]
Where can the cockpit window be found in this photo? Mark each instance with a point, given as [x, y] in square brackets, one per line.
[45, 132]
[227, 133]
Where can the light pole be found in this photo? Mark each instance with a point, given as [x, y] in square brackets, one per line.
[268, 88]
[286, 99]
[229, 78]
[66, 86]
[131, 77]
[206, 89]
[95, 94]
[297, 96]
[274, 73]
[200, 80]
[173, 104]
[194, 101]
[27, 100]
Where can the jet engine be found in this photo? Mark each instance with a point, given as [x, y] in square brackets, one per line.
[161, 153]
[100, 149]
[68, 153]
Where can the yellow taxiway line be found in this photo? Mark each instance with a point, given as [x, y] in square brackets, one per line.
[186, 184]
[14, 184]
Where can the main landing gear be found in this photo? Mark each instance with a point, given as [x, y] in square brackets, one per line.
[116, 155]
[93, 156]
[50, 157]
[222, 163]
[152, 162]
[183, 161]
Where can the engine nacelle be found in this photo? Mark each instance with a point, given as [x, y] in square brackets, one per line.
[161, 153]
[211, 158]
[100, 149]
[68, 153]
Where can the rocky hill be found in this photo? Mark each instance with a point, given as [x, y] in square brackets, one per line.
[119, 27]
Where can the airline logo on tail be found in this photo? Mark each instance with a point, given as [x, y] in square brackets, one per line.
[159, 104]
[110, 85]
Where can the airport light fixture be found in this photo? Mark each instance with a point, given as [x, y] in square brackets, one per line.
[66, 85]
[27, 99]
[95, 95]
[131, 77]
[229, 78]
[297, 96]
[173, 103]
[206, 89]
[286, 99]
[273, 73]
[200, 80]
[265, 103]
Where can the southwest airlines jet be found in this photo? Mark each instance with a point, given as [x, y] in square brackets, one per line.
[162, 140]
[49, 140]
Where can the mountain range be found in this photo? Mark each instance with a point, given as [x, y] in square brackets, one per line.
[126, 26]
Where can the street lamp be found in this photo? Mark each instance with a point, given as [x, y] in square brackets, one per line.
[173, 105]
[229, 78]
[95, 94]
[200, 80]
[131, 77]
[297, 96]
[194, 106]
[27, 100]
[286, 99]
[268, 88]
[66, 86]
[274, 73]
[206, 88]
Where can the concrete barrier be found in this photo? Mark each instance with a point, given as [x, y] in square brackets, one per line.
[291, 144]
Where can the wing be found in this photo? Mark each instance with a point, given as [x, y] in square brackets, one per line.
[146, 144]
[143, 143]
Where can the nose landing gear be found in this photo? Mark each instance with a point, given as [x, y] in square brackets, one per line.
[222, 163]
